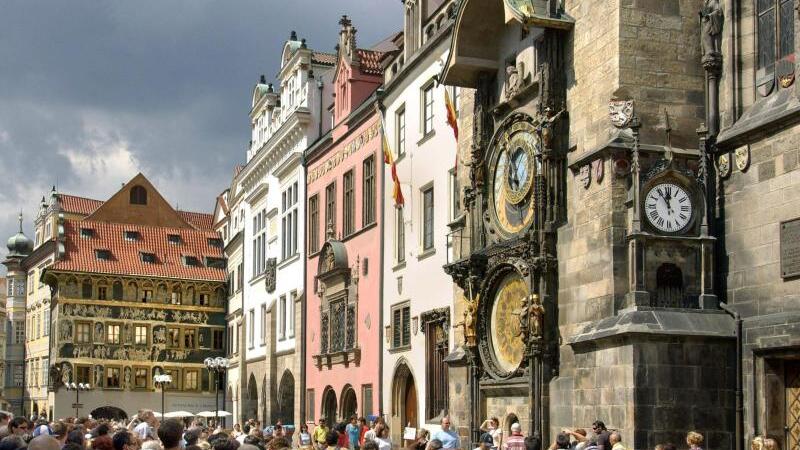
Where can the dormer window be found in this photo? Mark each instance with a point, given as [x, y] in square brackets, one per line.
[102, 254]
[149, 258]
[131, 235]
[215, 263]
[191, 261]
[86, 233]
[174, 239]
[215, 242]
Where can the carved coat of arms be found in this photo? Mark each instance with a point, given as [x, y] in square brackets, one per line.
[620, 112]
[270, 277]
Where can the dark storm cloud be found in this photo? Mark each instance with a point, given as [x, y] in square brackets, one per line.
[92, 92]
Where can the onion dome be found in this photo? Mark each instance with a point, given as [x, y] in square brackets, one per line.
[19, 244]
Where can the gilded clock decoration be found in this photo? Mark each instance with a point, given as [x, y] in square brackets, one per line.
[508, 344]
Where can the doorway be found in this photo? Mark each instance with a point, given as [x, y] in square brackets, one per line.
[329, 406]
[792, 389]
[349, 403]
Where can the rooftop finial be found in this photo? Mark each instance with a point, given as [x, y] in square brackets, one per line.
[293, 36]
[262, 79]
[20, 221]
[330, 234]
[345, 21]
[303, 43]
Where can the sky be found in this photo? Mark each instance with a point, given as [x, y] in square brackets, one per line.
[93, 92]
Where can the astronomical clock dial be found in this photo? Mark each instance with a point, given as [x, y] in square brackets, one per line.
[668, 207]
[514, 166]
[508, 346]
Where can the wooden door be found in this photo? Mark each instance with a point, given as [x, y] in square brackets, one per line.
[792, 411]
[411, 404]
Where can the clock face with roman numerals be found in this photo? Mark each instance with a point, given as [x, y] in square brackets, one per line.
[668, 207]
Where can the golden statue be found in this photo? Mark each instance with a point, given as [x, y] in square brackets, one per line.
[468, 324]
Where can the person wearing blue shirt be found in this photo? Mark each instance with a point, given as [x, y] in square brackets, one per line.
[448, 437]
[353, 433]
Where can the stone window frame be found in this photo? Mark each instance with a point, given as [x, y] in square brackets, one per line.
[395, 333]
[313, 224]
[197, 380]
[136, 328]
[120, 384]
[118, 327]
[78, 325]
[147, 377]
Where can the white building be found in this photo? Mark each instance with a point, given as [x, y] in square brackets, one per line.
[417, 293]
[284, 122]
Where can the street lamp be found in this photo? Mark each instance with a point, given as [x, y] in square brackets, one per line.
[162, 381]
[217, 365]
[77, 388]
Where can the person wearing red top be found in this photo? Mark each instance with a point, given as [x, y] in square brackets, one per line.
[343, 441]
[364, 428]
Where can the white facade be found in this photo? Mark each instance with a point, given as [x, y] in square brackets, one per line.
[284, 122]
[425, 151]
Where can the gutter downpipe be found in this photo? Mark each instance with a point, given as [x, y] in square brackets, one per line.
[739, 433]
[380, 109]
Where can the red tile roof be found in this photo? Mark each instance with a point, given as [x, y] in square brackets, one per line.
[78, 205]
[323, 58]
[201, 221]
[370, 61]
[125, 258]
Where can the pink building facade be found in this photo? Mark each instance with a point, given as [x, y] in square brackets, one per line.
[344, 172]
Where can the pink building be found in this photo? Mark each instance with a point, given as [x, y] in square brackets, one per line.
[343, 269]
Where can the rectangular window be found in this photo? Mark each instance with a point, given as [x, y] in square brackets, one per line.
[263, 324]
[436, 349]
[112, 377]
[290, 314]
[19, 331]
[455, 206]
[174, 239]
[401, 326]
[427, 109]
[102, 292]
[83, 332]
[366, 404]
[427, 218]
[259, 243]
[217, 338]
[83, 374]
[330, 207]
[251, 328]
[282, 317]
[190, 380]
[775, 42]
[45, 371]
[400, 236]
[147, 295]
[112, 334]
[349, 199]
[311, 414]
[313, 224]
[18, 375]
[175, 374]
[131, 236]
[140, 378]
[140, 336]
[400, 131]
[368, 192]
[46, 324]
[189, 338]
[289, 221]
[149, 258]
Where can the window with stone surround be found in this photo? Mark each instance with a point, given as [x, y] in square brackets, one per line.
[140, 335]
[83, 332]
[368, 192]
[330, 206]
[400, 131]
[113, 378]
[140, 377]
[401, 325]
[113, 334]
[399, 236]
[427, 218]
[426, 115]
[349, 200]
[313, 223]
[289, 212]
[775, 45]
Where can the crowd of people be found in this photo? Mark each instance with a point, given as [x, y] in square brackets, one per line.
[146, 432]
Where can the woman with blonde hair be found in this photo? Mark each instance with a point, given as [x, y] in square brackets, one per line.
[492, 426]
[694, 440]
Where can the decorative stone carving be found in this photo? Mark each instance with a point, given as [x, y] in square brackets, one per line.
[98, 332]
[66, 330]
[598, 169]
[468, 324]
[66, 372]
[55, 376]
[711, 21]
[270, 279]
[724, 165]
[127, 378]
[98, 376]
[742, 157]
[585, 176]
[513, 81]
[622, 166]
[620, 112]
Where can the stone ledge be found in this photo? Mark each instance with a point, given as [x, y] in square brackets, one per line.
[702, 323]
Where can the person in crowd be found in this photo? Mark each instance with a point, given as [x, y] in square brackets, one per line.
[12, 442]
[590, 443]
[152, 444]
[102, 442]
[421, 441]
[124, 440]
[615, 439]
[170, 432]
[562, 442]
[44, 442]
[486, 441]
[353, 430]
[516, 441]
[492, 426]
[279, 443]
[225, 442]
[578, 437]
[321, 434]
[145, 430]
[449, 438]
[77, 437]
[694, 440]
[253, 441]
[599, 429]
[343, 442]
[237, 430]
[18, 426]
[303, 439]
[331, 439]
[533, 442]
[370, 445]
[363, 428]
[247, 447]
[59, 430]
[434, 444]
[382, 437]
[4, 419]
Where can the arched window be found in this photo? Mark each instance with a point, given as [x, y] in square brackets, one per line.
[116, 291]
[775, 53]
[138, 195]
[669, 286]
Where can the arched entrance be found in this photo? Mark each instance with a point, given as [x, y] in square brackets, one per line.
[329, 405]
[250, 409]
[404, 401]
[285, 407]
[109, 413]
[349, 402]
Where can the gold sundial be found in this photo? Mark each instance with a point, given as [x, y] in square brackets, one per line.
[508, 345]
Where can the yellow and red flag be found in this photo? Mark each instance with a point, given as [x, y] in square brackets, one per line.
[397, 193]
[452, 120]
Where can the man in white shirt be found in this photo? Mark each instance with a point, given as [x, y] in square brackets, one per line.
[146, 429]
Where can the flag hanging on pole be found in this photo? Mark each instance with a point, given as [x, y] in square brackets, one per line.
[452, 120]
[397, 193]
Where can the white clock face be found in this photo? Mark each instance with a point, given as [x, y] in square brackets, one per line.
[668, 207]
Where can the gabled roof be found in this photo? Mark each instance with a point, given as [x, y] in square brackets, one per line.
[125, 256]
[370, 61]
[78, 205]
[323, 58]
[201, 221]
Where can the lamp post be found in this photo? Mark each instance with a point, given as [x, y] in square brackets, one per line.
[77, 388]
[218, 366]
[162, 381]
